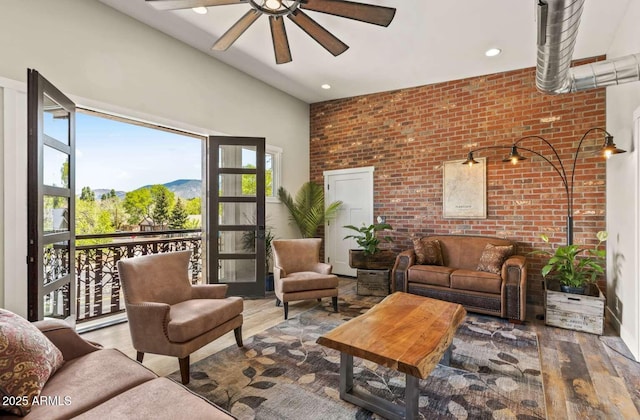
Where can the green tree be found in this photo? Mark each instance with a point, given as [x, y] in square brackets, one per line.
[64, 174]
[249, 182]
[137, 204]
[110, 195]
[160, 192]
[161, 205]
[92, 219]
[87, 194]
[193, 224]
[179, 216]
[194, 206]
[115, 207]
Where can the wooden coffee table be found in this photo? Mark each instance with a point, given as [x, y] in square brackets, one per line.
[405, 332]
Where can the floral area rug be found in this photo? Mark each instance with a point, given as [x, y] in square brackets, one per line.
[282, 373]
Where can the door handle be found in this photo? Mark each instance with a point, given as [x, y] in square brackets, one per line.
[261, 233]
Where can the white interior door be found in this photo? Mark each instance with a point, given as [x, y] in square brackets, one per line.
[354, 187]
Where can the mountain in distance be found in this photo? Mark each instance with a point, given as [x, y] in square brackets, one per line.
[186, 189]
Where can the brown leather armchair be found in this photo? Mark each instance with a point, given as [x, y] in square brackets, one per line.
[299, 274]
[170, 316]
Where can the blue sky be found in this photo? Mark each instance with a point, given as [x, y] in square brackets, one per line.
[112, 154]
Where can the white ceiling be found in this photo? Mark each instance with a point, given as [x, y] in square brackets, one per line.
[428, 42]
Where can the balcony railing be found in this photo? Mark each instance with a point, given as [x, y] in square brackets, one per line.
[98, 284]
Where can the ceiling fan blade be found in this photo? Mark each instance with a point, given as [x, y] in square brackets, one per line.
[188, 4]
[280, 40]
[377, 15]
[317, 32]
[238, 28]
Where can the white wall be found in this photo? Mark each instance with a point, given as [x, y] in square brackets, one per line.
[101, 56]
[622, 192]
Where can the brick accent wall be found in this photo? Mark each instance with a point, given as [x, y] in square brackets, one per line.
[408, 134]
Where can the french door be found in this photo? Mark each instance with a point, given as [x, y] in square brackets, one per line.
[236, 214]
[50, 201]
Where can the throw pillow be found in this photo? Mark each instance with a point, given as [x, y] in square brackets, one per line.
[493, 257]
[427, 251]
[27, 360]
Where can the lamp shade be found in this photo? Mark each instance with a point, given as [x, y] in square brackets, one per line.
[470, 160]
[514, 157]
[609, 148]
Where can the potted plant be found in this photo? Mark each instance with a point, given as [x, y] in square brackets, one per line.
[249, 245]
[575, 266]
[370, 256]
[307, 211]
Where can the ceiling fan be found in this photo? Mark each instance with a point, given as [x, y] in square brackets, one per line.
[277, 9]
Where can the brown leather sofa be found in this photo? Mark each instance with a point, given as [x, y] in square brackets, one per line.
[461, 275]
[97, 383]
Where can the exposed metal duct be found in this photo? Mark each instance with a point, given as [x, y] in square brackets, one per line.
[558, 22]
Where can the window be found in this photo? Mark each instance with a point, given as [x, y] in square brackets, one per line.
[273, 157]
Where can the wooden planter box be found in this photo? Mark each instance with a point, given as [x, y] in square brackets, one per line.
[373, 283]
[575, 312]
[381, 260]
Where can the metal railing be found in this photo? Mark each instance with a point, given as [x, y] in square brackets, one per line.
[98, 284]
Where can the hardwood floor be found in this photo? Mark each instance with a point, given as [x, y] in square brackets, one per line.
[585, 376]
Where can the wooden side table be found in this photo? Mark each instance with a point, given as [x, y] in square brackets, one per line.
[373, 282]
[574, 312]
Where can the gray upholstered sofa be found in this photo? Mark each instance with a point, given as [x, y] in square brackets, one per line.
[97, 383]
[489, 279]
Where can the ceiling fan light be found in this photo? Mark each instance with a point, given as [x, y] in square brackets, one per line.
[273, 4]
[200, 10]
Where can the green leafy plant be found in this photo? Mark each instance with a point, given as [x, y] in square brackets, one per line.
[307, 211]
[249, 242]
[367, 236]
[575, 265]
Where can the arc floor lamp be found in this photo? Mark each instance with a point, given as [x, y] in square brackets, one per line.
[608, 148]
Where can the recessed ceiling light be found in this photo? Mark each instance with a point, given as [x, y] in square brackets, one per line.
[492, 52]
[326, 86]
[200, 10]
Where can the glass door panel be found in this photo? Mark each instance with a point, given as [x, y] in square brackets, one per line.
[237, 214]
[51, 205]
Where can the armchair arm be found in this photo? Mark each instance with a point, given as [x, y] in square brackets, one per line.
[65, 338]
[514, 276]
[404, 260]
[278, 272]
[322, 268]
[209, 291]
[148, 325]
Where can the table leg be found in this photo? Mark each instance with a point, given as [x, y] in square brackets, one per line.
[411, 394]
[346, 374]
[360, 396]
[446, 357]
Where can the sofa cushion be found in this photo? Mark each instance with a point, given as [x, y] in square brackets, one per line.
[428, 251]
[493, 257]
[477, 281]
[27, 360]
[430, 274]
[89, 380]
[159, 398]
[194, 317]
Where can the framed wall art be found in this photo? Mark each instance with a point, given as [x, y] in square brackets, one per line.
[464, 190]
